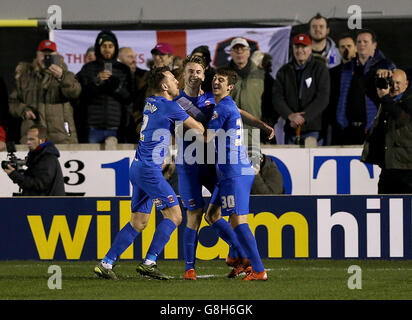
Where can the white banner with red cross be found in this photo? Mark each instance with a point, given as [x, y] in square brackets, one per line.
[73, 44]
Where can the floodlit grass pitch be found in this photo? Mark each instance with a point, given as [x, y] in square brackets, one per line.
[288, 279]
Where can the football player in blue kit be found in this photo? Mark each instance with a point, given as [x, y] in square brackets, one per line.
[193, 175]
[234, 170]
[149, 186]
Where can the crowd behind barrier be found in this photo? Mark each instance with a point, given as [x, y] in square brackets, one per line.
[329, 93]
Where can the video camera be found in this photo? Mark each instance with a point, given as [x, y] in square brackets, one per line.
[383, 83]
[13, 161]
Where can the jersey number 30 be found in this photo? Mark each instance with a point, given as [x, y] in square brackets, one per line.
[228, 202]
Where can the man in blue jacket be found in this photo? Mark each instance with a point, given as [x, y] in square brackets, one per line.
[358, 99]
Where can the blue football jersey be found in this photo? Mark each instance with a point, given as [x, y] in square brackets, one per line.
[231, 155]
[201, 109]
[159, 117]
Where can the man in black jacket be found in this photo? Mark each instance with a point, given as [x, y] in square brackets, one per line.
[43, 176]
[388, 144]
[301, 92]
[106, 89]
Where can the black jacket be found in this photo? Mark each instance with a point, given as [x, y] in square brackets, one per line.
[389, 142]
[105, 102]
[43, 176]
[312, 96]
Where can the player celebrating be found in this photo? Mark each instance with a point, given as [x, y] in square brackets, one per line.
[149, 185]
[192, 176]
[235, 172]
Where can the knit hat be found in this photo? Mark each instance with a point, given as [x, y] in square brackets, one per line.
[204, 50]
[101, 38]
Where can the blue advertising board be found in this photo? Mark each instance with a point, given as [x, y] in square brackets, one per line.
[337, 227]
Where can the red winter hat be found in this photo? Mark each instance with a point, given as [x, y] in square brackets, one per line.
[162, 47]
[302, 39]
[47, 45]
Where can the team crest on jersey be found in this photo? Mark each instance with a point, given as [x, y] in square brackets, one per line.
[208, 103]
[157, 202]
[171, 199]
[192, 202]
[214, 115]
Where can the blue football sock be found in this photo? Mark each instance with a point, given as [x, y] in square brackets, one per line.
[123, 240]
[160, 238]
[225, 231]
[248, 242]
[233, 253]
[190, 238]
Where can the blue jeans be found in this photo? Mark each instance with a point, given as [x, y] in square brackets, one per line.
[291, 139]
[99, 135]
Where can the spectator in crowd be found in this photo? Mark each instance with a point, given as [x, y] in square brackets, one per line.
[162, 55]
[322, 45]
[138, 91]
[79, 112]
[177, 70]
[249, 89]
[268, 179]
[388, 143]
[204, 52]
[43, 176]
[89, 55]
[43, 90]
[355, 111]
[264, 61]
[301, 92]
[4, 114]
[347, 50]
[106, 89]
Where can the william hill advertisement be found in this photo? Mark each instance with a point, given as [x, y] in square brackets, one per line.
[336, 227]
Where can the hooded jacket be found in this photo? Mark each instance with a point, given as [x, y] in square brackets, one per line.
[331, 54]
[105, 102]
[43, 176]
[39, 91]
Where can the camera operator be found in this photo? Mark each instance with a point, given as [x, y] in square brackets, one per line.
[389, 142]
[43, 176]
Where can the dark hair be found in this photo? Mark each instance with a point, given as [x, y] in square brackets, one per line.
[204, 50]
[195, 59]
[317, 17]
[229, 73]
[41, 130]
[156, 77]
[344, 36]
[369, 31]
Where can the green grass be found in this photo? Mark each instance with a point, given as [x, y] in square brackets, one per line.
[288, 279]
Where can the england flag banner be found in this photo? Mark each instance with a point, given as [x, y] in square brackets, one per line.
[73, 44]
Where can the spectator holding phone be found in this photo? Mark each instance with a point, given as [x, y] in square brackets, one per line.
[43, 90]
[106, 89]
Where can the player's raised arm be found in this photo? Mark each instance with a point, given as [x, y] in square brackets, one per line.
[191, 123]
[251, 120]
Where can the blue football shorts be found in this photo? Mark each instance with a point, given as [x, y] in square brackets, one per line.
[150, 187]
[191, 180]
[233, 195]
